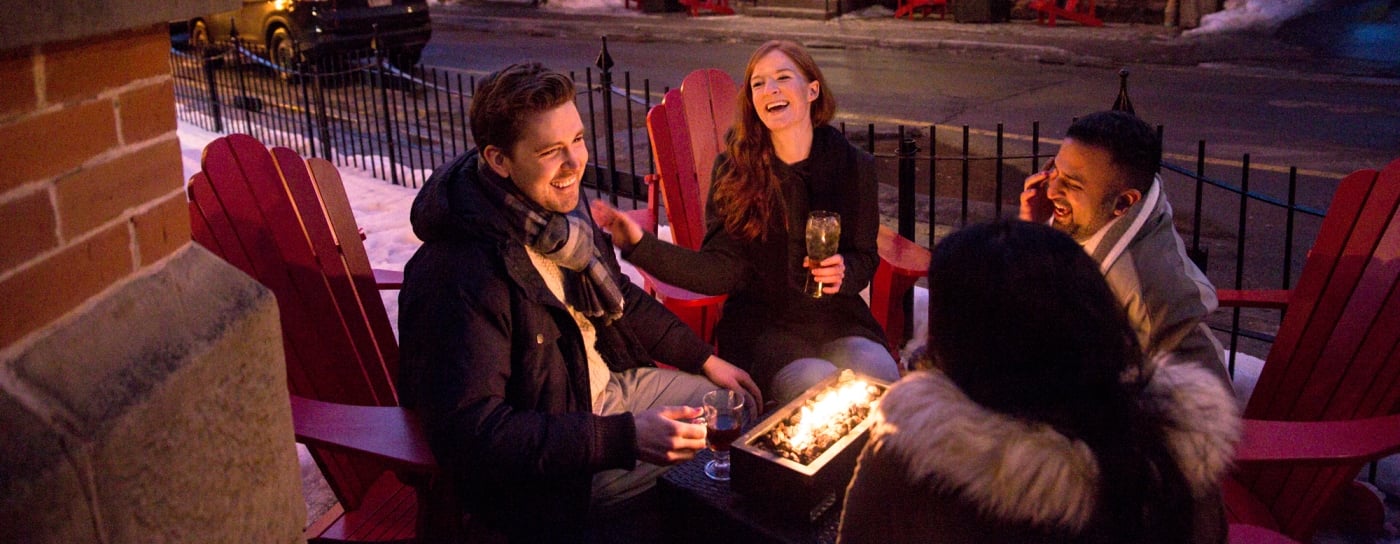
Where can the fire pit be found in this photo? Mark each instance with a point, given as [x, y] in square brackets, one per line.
[808, 447]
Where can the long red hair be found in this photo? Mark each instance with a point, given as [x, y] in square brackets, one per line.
[748, 193]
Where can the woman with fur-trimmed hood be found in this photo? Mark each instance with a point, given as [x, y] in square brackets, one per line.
[1034, 420]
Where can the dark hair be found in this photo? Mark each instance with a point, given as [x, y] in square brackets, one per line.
[506, 98]
[1023, 322]
[748, 193]
[1132, 144]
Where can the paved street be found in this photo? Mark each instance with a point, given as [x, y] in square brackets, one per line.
[1241, 95]
[1283, 110]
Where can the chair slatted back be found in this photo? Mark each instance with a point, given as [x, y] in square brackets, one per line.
[262, 212]
[687, 131]
[319, 193]
[1337, 353]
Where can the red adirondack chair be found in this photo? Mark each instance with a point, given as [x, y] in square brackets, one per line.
[687, 131]
[1322, 407]
[1072, 10]
[718, 7]
[907, 8]
[287, 223]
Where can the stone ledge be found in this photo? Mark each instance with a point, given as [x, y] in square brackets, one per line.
[159, 414]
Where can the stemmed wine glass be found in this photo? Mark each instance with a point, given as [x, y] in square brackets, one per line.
[823, 238]
[724, 421]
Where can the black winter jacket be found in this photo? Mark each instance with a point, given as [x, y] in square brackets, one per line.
[497, 367]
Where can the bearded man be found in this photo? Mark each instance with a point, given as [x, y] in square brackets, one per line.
[1103, 189]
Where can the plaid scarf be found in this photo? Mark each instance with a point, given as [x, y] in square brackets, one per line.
[564, 239]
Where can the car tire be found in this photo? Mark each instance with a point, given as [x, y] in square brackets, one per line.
[199, 35]
[282, 51]
[406, 59]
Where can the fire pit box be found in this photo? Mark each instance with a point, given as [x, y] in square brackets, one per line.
[760, 473]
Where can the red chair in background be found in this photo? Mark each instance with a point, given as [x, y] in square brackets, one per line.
[907, 8]
[717, 7]
[687, 131]
[1325, 400]
[1072, 10]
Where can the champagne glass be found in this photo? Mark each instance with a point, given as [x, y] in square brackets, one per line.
[823, 238]
[724, 421]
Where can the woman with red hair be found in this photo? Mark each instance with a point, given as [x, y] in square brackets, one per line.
[782, 160]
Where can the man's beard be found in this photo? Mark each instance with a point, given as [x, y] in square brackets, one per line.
[1082, 232]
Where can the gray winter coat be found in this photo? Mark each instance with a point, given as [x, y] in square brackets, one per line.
[1165, 295]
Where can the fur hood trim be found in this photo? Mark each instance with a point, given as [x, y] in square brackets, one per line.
[1028, 472]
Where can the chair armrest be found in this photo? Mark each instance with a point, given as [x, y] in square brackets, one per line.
[1255, 298]
[388, 280]
[677, 297]
[1242, 533]
[905, 257]
[390, 433]
[1319, 442]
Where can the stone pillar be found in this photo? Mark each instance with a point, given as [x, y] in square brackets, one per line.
[158, 414]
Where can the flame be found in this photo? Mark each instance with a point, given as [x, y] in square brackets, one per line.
[817, 419]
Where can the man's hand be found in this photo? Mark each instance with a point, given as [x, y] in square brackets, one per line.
[1035, 203]
[830, 272]
[665, 435]
[734, 378]
[624, 230]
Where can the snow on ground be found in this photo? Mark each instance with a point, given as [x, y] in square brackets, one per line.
[1262, 16]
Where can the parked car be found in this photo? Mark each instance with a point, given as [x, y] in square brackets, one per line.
[317, 28]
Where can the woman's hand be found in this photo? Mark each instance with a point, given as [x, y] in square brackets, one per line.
[731, 377]
[829, 272]
[624, 230]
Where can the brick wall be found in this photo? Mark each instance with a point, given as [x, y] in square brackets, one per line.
[90, 175]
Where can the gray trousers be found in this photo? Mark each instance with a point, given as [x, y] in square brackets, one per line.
[639, 390]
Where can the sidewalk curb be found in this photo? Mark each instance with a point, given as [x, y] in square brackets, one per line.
[1125, 45]
[622, 27]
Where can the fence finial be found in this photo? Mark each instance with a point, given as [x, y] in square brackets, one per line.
[1123, 103]
[604, 62]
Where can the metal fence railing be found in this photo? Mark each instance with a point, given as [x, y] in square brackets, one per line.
[358, 110]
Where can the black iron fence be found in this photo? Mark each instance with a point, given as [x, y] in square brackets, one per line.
[359, 111]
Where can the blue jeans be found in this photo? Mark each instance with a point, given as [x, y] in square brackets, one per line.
[860, 354]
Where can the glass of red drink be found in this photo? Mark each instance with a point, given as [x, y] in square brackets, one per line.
[724, 422]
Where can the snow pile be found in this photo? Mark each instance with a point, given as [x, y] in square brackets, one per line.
[1261, 16]
[593, 7]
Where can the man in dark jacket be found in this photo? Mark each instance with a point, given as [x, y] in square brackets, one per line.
[525, 348]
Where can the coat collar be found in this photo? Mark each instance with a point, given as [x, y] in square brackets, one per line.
[1028, 472]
